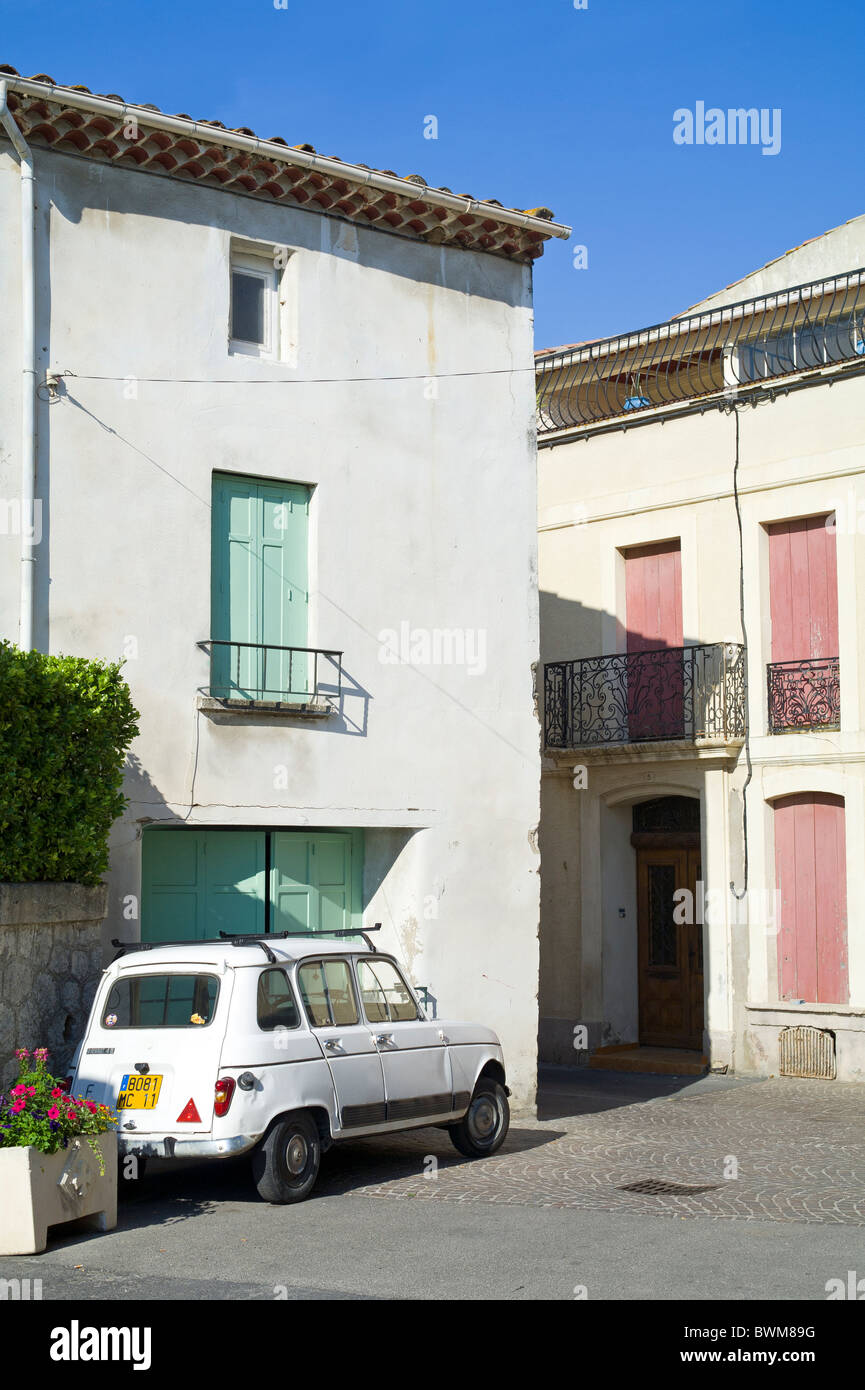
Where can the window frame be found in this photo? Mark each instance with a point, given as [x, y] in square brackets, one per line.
[248, 262]
[321, 960]
[388, 960]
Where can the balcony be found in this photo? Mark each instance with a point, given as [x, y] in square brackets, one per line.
[685, 694]
[804, 695]
[255, 675]
[811, 328]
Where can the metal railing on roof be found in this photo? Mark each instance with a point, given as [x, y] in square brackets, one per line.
[806, 328]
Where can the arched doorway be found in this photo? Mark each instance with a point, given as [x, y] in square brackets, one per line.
[666, 837]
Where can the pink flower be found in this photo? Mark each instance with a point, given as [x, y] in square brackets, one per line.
[58, 1091]
[22, 1054]
[18, 1106]
[18, 1090]
[41, 1054]
[54, 1113]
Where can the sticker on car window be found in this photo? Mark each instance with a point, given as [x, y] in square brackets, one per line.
[110, 1020]
[196, 1018]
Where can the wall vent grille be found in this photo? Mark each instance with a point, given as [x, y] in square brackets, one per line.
[806, 1052]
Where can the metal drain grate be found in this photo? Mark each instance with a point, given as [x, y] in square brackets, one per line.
[657, 1187]
[804, 1051]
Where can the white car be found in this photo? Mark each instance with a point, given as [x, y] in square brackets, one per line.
[280, 1046]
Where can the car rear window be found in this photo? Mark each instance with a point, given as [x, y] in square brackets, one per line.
[161, 1001]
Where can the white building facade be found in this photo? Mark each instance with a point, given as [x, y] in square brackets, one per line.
[285, 467]
[702, 574]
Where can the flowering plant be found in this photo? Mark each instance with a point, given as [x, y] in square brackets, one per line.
[38, 1112]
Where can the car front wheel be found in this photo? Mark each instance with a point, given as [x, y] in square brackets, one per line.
[285, 1166]
[483, 1128]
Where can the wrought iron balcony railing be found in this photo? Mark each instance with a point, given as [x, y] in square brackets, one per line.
[256, 672]
[684, 693]
[804, 695]
[796, 330]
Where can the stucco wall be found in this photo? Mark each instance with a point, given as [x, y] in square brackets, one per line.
[423, 511]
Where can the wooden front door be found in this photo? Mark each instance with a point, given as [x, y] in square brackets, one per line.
[670, 948]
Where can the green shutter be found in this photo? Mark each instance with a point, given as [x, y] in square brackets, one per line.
[259, 586]
[197, 883]
[316, 881]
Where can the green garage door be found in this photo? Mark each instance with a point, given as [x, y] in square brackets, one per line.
[198, 883]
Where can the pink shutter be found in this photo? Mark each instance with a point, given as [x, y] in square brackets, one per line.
[811, 875]
[653, 598]
[803, 590]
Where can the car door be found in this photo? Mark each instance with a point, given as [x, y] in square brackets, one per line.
[327, 990]
[414, 1055]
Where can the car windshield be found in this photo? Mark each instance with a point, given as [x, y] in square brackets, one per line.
[161, 1001]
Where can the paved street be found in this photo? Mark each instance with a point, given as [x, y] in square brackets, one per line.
[555, 1210]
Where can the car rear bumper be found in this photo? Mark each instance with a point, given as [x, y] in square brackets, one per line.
[167, 1146]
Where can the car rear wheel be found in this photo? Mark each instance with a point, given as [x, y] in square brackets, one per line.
[484, 1127]
[285, 1166]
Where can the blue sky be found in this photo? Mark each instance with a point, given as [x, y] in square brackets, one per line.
[536, 103]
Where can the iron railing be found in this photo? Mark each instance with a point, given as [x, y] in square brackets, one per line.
[671, 693]
[796, 330]
[804, 695]
[258, 672]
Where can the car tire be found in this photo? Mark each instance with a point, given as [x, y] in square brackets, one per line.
[484, 1127]
[285, 1165]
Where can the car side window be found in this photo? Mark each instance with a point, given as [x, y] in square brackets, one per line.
[327, 993]
[385, 994]
[276, 1005]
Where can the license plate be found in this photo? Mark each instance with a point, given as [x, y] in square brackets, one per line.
[139, 1092]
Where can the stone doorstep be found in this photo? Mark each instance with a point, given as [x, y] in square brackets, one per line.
[49, 904]
[658, 1061]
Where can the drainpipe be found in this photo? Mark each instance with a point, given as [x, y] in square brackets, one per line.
[27, 517]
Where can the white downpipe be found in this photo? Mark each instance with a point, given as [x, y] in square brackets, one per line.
[27, 515]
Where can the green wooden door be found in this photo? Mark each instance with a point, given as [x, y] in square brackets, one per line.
[198, 883]
[316, 881]
[259, 588]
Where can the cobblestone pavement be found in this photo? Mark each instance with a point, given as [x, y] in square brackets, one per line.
[774, 1150]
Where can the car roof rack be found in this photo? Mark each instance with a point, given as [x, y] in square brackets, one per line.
[251, 939]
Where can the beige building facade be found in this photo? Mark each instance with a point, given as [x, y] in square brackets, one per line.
[702, 678]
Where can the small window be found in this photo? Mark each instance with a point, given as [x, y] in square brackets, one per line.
[276, 1006]
[254, 308]
[327, 993]
[161, 1001]
[385, 994]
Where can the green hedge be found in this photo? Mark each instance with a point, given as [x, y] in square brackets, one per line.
[65, 726]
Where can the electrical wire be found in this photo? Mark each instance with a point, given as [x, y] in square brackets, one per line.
[750, 770]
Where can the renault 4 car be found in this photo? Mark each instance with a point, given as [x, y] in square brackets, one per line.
[279, 1047]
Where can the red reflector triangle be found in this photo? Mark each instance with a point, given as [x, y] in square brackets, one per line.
[189, 1113]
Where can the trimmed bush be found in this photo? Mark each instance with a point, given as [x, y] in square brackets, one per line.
[65, 726]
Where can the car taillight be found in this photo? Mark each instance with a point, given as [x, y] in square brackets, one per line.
[224, 1093]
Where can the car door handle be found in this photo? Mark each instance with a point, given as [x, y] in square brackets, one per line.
[333, 1045]
[384, 1040]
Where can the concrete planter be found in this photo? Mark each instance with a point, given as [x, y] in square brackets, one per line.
[39, 1190]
